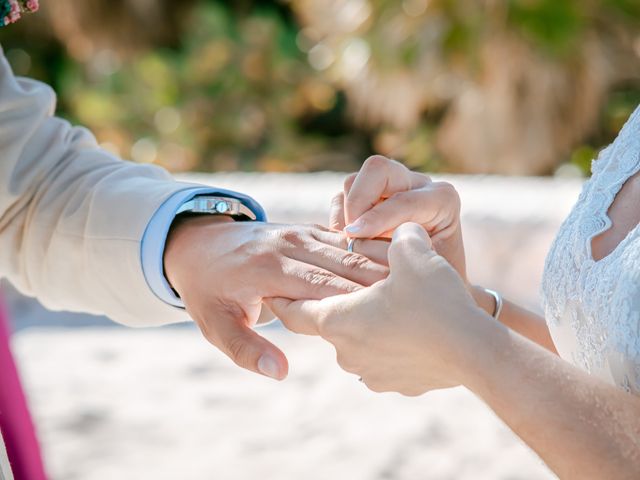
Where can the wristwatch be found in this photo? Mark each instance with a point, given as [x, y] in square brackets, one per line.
[212, 205]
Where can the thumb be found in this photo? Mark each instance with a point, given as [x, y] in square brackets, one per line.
[228, 331]
[409, 243]
[301, 316]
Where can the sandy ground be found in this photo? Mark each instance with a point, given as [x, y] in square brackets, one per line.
[163, 405]
[116, 403]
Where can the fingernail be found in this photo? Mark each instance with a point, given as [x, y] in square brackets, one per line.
[268, 366]
[354, 227]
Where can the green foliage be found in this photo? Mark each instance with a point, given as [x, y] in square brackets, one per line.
[238, 91]
[628, 8]
[554, 25]
[582, 158]
[237, 94]
[235, 90]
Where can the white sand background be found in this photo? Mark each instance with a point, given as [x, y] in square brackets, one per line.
[117, 403]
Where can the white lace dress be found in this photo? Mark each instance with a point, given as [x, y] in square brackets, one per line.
[593, 308]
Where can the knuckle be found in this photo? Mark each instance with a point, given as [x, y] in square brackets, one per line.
[317, 226]
[348, 182]
[237, 349]
[346, 363]
[317, 277]
[336, 224]
[439, 263]
[354, 261]
[337, 200]
[375, 162]
[411, 392]
[405, 199]
[450, 191]
[415, 243]
[375, 386]
[401, 253]
[292, 237]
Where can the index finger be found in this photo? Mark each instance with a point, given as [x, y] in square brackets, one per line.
[378, 179]
[301, 316]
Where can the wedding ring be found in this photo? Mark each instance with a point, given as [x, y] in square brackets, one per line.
[350, 244]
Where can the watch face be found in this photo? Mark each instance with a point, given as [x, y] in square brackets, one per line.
[222, 207]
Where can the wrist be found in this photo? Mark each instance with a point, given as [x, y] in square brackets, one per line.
[182, 239]
[483, 299]
[466, 335]
[483, 349]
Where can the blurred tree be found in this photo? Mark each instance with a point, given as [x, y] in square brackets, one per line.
[223, 87]
[517, 84]
[502, 86]
[126, 26]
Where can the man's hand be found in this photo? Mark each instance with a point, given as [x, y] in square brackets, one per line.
[223, 269]
[411, 333]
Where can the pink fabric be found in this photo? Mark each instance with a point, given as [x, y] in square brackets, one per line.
[15, 422]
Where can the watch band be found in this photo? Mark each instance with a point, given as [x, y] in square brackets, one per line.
[214, 205]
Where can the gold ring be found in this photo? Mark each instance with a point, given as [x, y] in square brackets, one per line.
[350, 244]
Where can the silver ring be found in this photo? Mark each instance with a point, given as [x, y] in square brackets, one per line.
[350, 244]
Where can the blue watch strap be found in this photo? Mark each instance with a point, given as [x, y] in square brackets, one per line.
[155, 236]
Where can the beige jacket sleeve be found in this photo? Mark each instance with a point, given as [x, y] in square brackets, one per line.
[72, 216]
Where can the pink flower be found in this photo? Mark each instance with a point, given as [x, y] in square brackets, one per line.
[17, 7]
[14, 14]
[32, 5]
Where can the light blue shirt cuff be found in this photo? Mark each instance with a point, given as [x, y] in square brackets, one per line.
[155, 236]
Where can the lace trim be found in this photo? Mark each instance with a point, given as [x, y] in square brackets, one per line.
[615, 165]
[596, 298]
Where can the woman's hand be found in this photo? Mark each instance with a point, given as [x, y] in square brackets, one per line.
[419, 330]
[409, 333]
[385, 194]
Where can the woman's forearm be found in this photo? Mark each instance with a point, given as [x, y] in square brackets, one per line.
[580, 426]
[523, 321]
